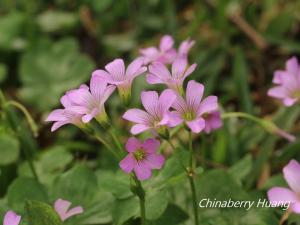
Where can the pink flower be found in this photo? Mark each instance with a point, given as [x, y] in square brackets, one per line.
[291, 174]
[184, 48]
[62, 208]
[288, 83]
[11, 218]
[159, 74]
[213, 121]
[64, 116]
[117, 75]
[89, 101]
[164, 54]
[156, 114]
[197, 114]
[142, 158]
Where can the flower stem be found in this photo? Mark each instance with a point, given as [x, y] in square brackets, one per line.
[28, 117]
[171, 144]
[31, 165]
[191, 176]
[32, 126]
[268, 125]
[139, 191]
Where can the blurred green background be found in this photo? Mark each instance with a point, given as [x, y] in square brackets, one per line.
[49, 47]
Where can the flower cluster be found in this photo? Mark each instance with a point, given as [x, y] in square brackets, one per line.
[173, 107]
[61, 207]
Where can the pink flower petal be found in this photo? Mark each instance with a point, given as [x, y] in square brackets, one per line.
[97, 86]
[189, 70]
[185, 47]
[142, 170]
[57, 125]
[139, 128]
[166, 100]
[155, 161]
[296, 207]
[137, 116]
[277, 92]
[291, 174]
[208, 105]
[88, 117]
[135, 68]
[194, 94]
[62, 208]
[292, 65]
[289, 101]
[11, 218]
[116, 69]
[127, 164]
[133, 144]
[178, 68]
[66, 101]
[153, 79]
[74, 211]
[150, 101]
[102, 74]
[151, 145]
[56, 115]
[160, 70]
[196, 125]
[80, 96]
[213, 122]
[278, 194]
[166, 43]
[175, 119]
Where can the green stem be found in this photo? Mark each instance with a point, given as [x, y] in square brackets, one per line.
[242, 115]
[191, 176]
[143, 211]
[139, 191]
[115, 138]
[28, 117]
[31, 165]
[32, 125]
[268, 125]
[107, 146]
[171, 144]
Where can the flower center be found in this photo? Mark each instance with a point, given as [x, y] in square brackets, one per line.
[189, 116]
[139, 155]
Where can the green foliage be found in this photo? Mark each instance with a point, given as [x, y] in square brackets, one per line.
[55, 67]
[12, 31]
[78, 185]
[9, 148]
[23, 189]
[41, 213]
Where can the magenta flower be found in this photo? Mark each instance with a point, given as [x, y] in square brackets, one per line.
[288, 83]
[159, 74]
[142, 158]
[194, 112]
[184, 48]
[117, 75]
[64, 116]
[89, 101]
[291, 174]
[213, 121]
[164, 54]
[156, 114]
[62, 207]
[11, 218]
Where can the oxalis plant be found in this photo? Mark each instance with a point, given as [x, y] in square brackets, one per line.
[180, 109]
